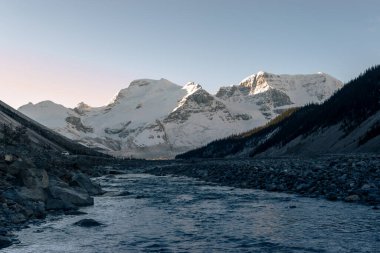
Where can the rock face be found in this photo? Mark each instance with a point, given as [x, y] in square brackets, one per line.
[159, 119]
[28, 191]
[34, 176]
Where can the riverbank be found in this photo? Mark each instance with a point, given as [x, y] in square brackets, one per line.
[31, 187]
[350, 178]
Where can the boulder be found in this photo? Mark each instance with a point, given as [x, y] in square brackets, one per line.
[87, 223]
[36, 194]
[9, 158]
[12, 194]
[83, 181]
[59, 204]
[28, 174]
[76, 196]
[352, 198]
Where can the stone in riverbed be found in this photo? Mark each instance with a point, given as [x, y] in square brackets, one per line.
[88, 223]
[352, 198]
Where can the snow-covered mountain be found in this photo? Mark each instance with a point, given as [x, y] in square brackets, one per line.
[348, 122]
[159, 119]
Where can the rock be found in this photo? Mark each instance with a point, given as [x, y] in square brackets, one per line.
[29, 175]
[35, 178]
[302, 187]
[352, 198]
[59, 204]
[12, 194]
[36, 194]
[85, 182]
[39, 210]
[9, 158]
[88, 223]
[366, 188]
[5, 242]
[76, 196]
[17, 218]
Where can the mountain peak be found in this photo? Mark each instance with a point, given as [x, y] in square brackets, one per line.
[191, 87]
[42, 104]
[146, 82]
[145, 87]
[250, 79]
[83, 105]
[261, 73]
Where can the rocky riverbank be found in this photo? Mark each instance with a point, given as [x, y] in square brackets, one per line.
[32, 187]
[28, 192]
[350, 178]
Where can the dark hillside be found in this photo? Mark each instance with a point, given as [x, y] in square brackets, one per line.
[54, 140]
[354, 103]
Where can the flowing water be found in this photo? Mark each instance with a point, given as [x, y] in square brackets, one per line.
[173, 214]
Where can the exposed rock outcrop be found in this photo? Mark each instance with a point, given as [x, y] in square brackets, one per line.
[29, 192]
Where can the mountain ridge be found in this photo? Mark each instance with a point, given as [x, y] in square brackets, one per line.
[346, 122]
[159, 119]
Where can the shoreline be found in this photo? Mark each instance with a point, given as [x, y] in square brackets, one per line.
[349, 178]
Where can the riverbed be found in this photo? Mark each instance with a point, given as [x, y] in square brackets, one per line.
[146, 213]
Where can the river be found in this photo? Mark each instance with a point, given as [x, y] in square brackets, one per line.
[178, 214]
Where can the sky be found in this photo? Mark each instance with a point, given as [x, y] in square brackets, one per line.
[70, 51]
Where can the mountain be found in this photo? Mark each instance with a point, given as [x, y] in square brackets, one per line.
[347, 122]
[16, 127]
[159, 119]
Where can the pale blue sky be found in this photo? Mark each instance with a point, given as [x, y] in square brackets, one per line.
[86, 50]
